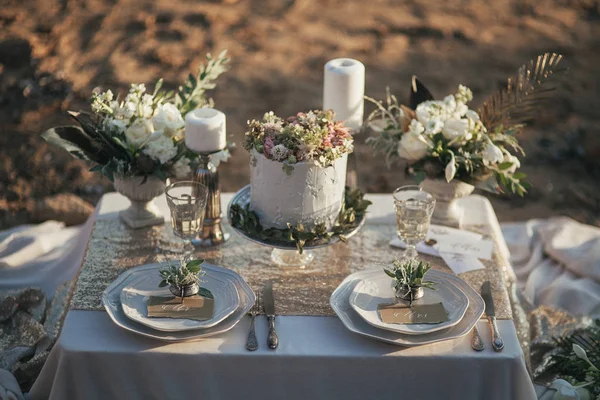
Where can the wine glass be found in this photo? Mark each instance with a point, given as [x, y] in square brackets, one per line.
[187, 203]
[413, 215]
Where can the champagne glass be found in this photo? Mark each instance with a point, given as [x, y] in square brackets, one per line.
[187, 203]
[413, 215]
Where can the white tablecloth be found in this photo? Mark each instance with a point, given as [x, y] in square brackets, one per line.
[317, 357]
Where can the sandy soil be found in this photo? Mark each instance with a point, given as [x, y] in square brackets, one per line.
[54, 52]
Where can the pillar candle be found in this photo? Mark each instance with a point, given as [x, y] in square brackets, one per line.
[205, 130]
[344, 89]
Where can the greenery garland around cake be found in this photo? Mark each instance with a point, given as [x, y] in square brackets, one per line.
[350, 216]
[313, 136]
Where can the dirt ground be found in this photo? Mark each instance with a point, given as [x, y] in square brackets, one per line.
[53, 53]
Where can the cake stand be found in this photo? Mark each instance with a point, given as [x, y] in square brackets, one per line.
[286, 254]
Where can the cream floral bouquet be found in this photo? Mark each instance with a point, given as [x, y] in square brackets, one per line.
[447, 139]
[142, 133]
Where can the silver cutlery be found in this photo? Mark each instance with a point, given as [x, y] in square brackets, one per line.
[490, 312]
[251, 342]
[269, 309]
[476, 340]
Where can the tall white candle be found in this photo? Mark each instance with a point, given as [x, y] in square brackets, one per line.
[344, 89]
[205, 130]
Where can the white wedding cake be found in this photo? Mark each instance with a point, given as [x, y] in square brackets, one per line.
[298, 169]
[309, 195]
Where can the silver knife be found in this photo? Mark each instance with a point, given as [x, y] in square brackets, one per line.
[269, 307]
[490, 311]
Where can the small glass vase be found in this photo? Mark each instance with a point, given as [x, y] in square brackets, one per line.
[184, 290]
[408, 293]
[143, 211]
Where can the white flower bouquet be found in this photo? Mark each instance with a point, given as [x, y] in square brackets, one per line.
[142, 134]
[445, 139]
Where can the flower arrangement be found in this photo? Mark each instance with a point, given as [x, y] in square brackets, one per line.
[447, 139]
[312, 136]
[142, 133]
[409, 278]
[184, 275]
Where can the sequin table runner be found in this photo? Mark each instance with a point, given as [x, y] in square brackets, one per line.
[113, 248]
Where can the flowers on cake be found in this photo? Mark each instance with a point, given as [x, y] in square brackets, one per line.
[312, 136]
[447, 139]
[142, 133]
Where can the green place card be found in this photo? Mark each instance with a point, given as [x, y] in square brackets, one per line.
[417, 314]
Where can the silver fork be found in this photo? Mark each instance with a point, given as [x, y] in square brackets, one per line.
[251, 342]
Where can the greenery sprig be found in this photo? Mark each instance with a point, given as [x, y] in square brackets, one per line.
[352, 212]
[181, 274]
[577, 358]
[409, 274]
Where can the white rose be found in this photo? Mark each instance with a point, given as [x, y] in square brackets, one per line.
[450, 169]
[412, 146]
[168, 118]
[472, 115]
[182, 168]
[455, 128]
[161, 149]
[511, 159]
[492, 154]
[139, 132]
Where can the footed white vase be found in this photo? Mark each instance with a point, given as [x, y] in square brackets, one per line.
[447, 211]
[142, 212]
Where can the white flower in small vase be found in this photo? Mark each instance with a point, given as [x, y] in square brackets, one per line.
[413, 146]
[161, 149]
[455, 128]
[513, 160]
[168, 118]
[450, 170]
[492, 154]
[182, 168]
[139, 132]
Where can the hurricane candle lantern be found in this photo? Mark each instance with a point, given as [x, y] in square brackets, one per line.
[205, 135]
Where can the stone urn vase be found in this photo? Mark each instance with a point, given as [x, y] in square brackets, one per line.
[143, 211]
[447, 211]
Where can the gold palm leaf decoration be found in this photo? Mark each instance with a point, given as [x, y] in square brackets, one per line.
[516, 103]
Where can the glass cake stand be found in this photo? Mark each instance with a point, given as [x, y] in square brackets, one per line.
[285, 254]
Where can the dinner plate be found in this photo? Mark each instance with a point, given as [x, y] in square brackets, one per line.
[377, 289]
[134, 299]
[112, 304]
[341, 305]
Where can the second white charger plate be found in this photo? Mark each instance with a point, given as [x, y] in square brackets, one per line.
[340, 303]
[135, 296]
[377, 289]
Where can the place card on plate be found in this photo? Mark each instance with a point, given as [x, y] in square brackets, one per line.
[417, 314]
[194, 307]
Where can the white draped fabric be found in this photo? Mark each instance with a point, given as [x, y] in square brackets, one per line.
[557, 263]
[317, 357]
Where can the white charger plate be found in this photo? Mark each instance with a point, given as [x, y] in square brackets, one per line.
[134, 300]
[377, 289]
[112, 304]
[341, 305]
